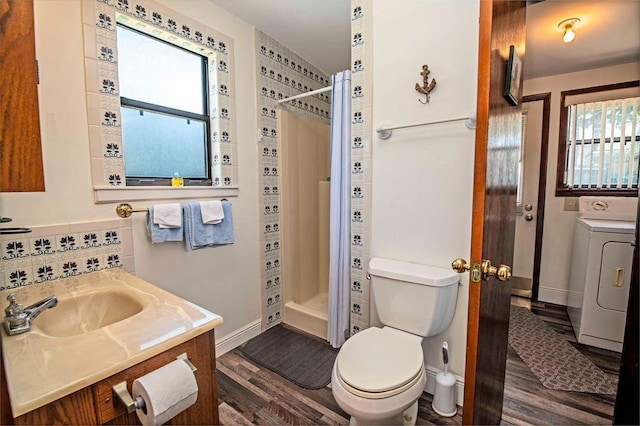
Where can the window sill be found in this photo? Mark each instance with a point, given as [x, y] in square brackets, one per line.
[565, 192]
[110, 194]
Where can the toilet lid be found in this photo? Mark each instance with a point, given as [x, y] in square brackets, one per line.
[379, 360]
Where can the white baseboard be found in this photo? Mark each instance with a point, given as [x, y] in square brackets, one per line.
[553, 295]
[238, 337]
[430, 388]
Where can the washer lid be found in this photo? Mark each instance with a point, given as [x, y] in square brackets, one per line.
[613, 226]
[378, 360]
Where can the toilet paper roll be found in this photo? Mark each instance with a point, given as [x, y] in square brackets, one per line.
[166, 391]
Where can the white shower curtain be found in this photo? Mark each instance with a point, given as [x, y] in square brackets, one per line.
[340, 211]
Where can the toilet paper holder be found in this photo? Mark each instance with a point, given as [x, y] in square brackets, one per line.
[126, 400]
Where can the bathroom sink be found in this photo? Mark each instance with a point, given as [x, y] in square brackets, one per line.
[87, 312]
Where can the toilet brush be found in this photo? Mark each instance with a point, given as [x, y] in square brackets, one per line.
[443, 397]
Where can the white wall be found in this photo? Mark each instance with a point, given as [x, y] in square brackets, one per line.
[423, 177]
[225, 279]
[557, 241]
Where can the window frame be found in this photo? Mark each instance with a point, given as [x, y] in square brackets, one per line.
[206, 118]
[561, 189]
[103, 100]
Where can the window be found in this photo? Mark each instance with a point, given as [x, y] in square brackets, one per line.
[523, 137]
[164, 105]
[599, 145]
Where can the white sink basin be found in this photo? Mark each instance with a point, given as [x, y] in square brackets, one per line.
[87, 312]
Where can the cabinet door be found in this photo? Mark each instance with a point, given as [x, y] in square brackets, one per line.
[20, 149]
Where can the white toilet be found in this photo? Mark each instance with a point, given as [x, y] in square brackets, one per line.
[379, 374]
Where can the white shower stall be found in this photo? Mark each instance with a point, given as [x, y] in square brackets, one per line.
[305, 147]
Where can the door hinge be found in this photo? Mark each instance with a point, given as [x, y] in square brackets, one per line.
[37, 72]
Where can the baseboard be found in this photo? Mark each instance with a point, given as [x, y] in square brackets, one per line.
[431, 384]
[238, 337]
[553, 295]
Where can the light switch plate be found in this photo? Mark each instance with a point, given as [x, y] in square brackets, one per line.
[571, 204]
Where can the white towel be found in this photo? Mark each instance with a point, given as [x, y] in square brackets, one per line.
[212, 212]
[167, 215]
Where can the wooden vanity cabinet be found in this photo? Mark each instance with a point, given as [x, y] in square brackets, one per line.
[21, 168]
[95, 404]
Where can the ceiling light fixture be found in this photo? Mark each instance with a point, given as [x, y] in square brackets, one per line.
[567, 26]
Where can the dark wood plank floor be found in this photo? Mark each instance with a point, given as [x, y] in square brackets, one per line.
[251, 394]
[527, 402]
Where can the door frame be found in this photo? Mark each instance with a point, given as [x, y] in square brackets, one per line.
[542, 187]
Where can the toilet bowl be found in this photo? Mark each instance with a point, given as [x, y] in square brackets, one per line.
[382, 387]
[379, 375]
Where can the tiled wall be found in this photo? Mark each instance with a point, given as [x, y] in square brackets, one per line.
[280, 74]
[361, 130]
[103, 97]
[58, 251]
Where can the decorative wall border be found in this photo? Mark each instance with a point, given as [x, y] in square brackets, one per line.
[103, 99]
[280, 74]
[361, 130]
[52, 252]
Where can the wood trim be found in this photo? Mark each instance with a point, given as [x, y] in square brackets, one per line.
[561, 190]
[542, 186]
[626, 408]
[477, 218]
[21, 166]
[567, 192]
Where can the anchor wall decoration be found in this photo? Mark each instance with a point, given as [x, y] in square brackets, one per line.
[426, 87]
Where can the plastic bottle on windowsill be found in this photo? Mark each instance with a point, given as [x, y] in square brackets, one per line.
[177, 180]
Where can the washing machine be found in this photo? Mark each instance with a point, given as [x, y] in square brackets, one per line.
[601, 270]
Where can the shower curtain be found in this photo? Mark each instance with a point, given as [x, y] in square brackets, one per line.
[339, 217]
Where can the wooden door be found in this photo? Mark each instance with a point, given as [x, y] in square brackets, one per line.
[21, 168]
[502, 24]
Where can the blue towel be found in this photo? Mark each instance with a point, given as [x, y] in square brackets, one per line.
[160, 235]
[198, 235]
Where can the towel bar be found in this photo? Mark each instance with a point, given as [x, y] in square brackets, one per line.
[124, 210]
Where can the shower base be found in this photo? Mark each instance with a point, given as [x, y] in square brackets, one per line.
[310, 316]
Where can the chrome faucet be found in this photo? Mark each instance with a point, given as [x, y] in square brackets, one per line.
[18, 319]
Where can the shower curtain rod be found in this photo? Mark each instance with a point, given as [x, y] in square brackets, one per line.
[304, 95]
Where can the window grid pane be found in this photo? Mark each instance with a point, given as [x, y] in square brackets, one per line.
[602, 144]
[159, 145]
[153, 71]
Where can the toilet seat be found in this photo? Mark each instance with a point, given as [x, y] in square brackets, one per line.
[379, 363]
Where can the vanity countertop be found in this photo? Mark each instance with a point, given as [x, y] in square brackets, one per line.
[41, 368]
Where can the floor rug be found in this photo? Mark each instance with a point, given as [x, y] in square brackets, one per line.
[304, 360]
[552, 359]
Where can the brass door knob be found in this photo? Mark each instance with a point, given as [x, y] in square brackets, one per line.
[460, 265]
[501, 272]
[484, 271]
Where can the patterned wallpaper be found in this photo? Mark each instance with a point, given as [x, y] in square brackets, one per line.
[58, 251]
[103, 98]
[280, 74]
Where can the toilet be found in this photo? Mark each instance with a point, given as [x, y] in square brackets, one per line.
[379, 373]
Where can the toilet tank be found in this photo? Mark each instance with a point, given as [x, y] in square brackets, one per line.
[416, 298]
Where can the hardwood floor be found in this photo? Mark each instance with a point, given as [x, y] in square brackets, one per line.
[251, 394]
[527, 402]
